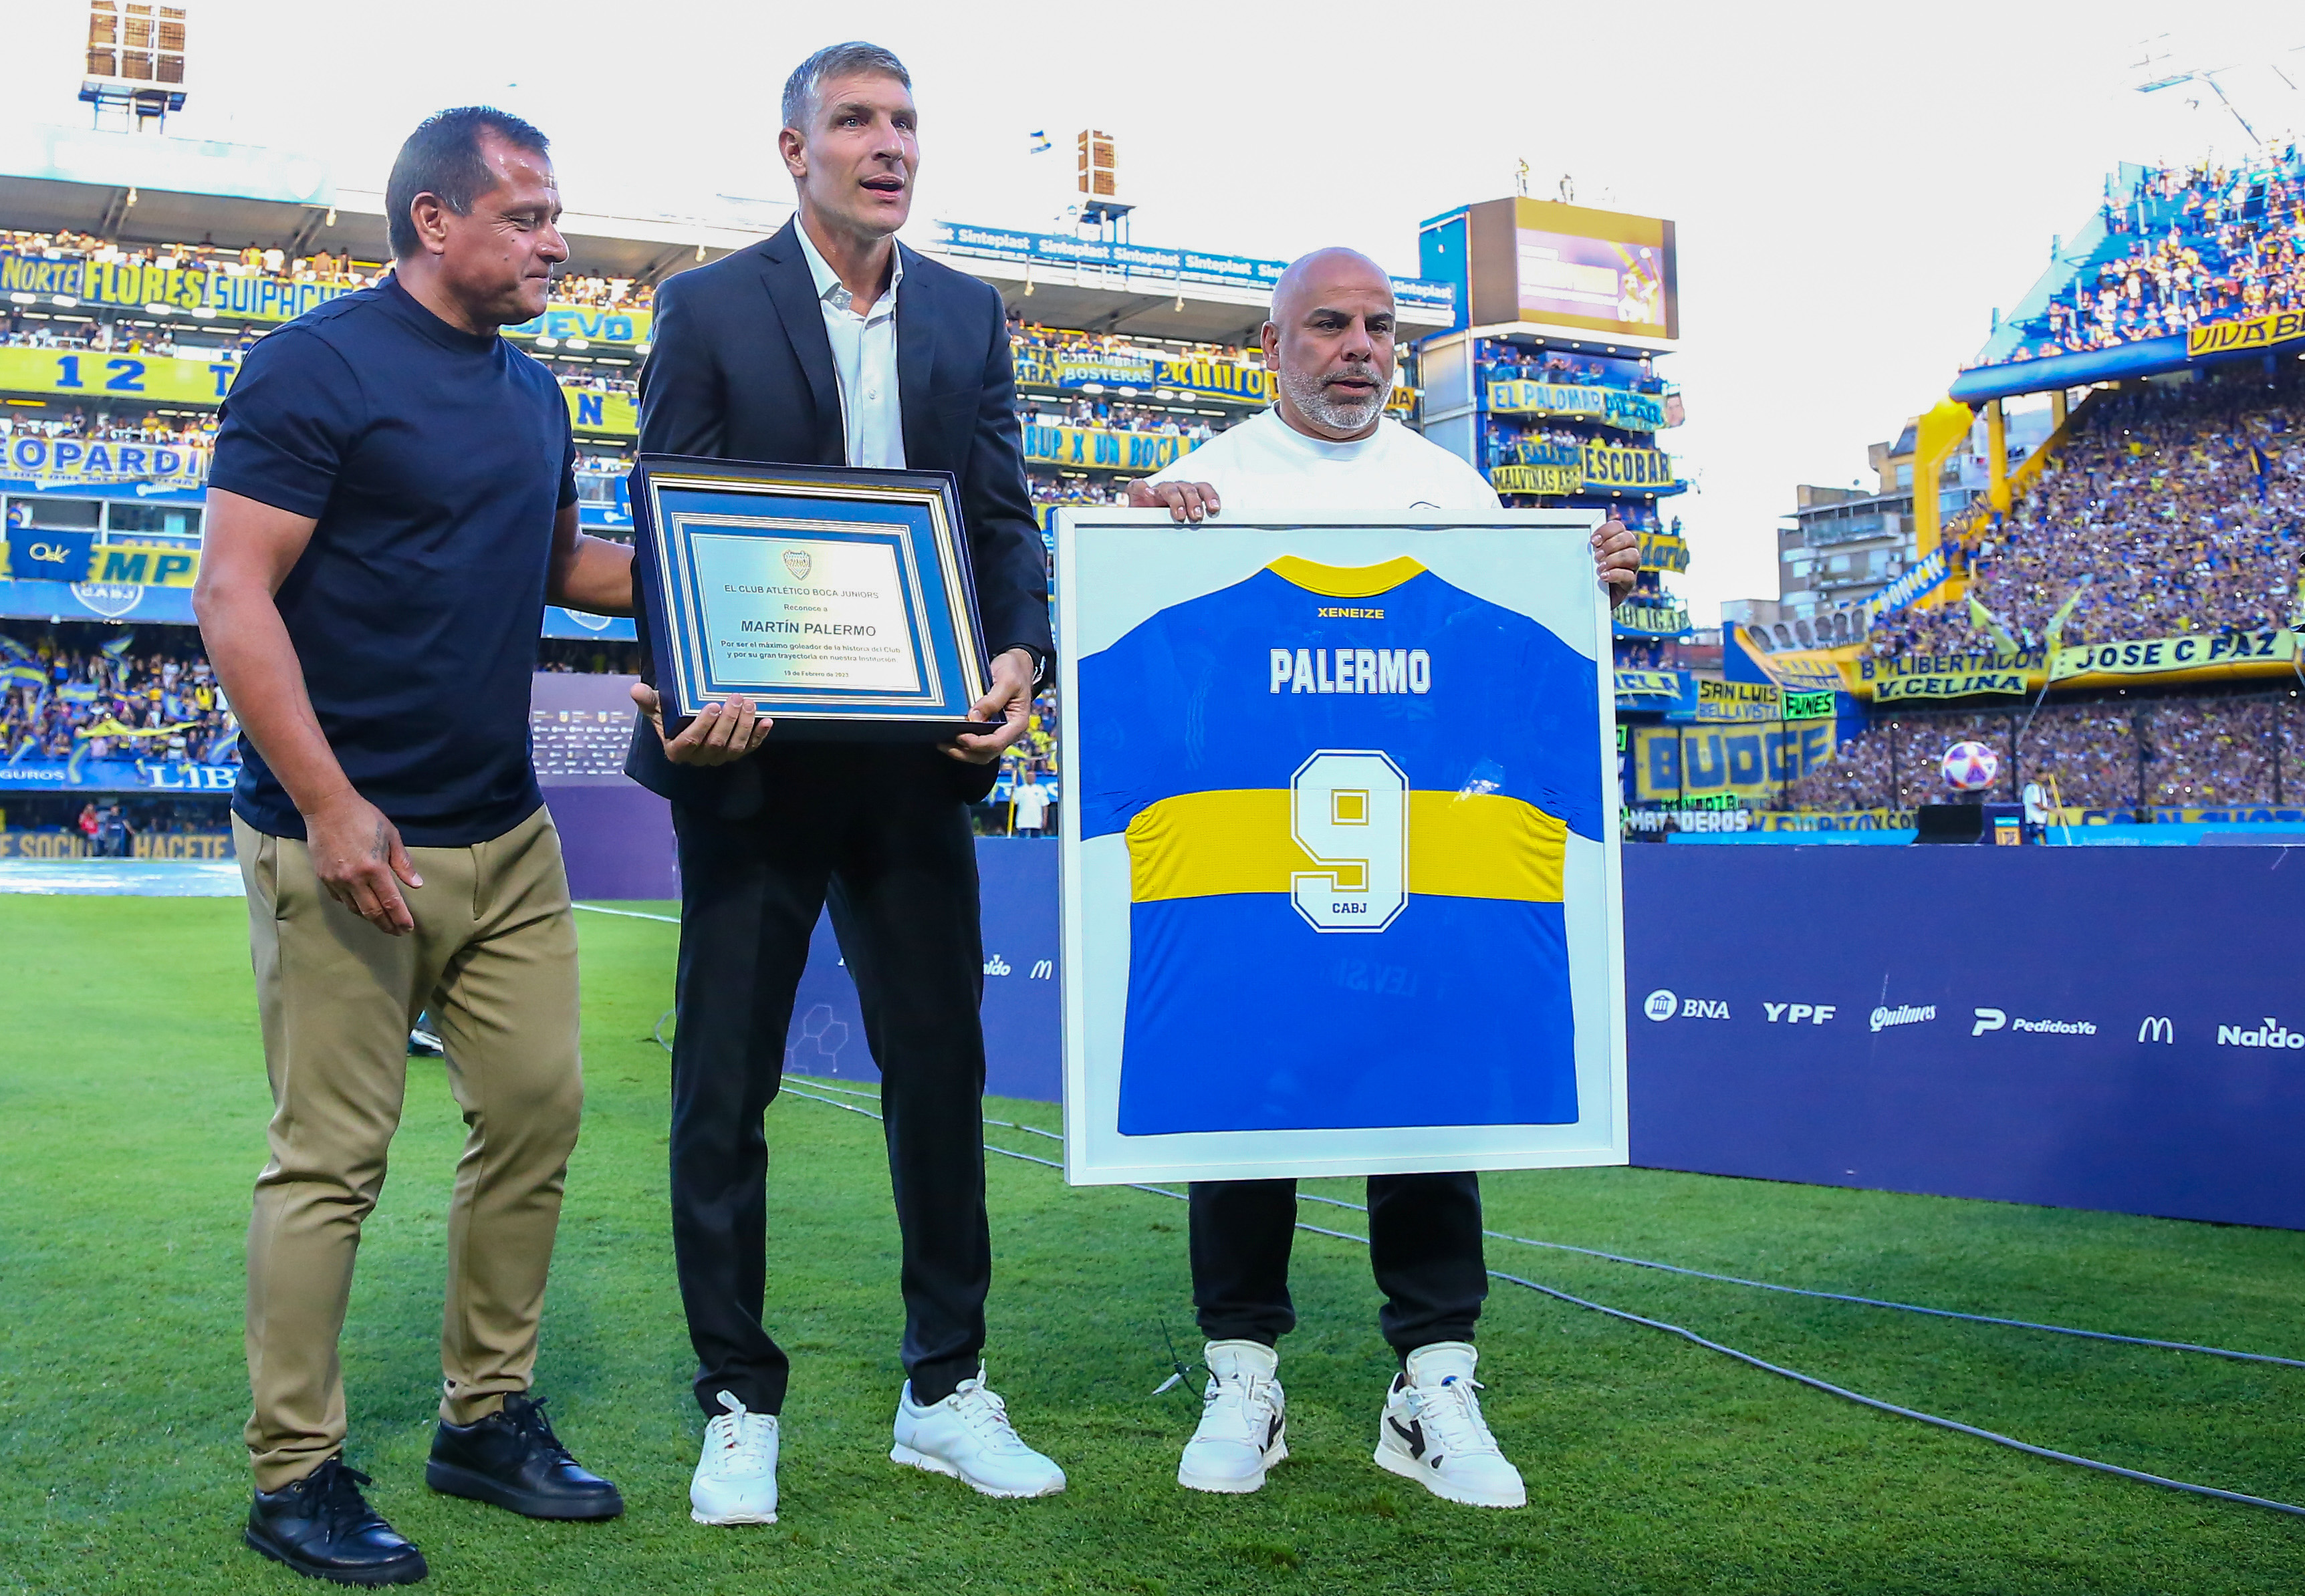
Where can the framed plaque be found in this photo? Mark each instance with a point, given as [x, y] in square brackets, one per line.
[839, 600]
[1339, 845]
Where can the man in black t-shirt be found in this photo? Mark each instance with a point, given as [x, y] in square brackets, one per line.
[391, 506]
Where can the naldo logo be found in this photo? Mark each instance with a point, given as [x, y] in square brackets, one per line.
[1662, 1005]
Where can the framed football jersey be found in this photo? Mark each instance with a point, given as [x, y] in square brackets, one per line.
[1340, 854]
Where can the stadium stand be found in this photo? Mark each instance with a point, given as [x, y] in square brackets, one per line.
[95, 693]
[2180, 247]
[2131, 753]
[2174, 508]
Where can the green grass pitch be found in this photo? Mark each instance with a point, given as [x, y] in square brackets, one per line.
[132, 1102]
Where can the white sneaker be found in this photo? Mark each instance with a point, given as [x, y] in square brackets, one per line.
[1242, 1429]
[968, 1436]
[736, 1480]
[1431, 1431]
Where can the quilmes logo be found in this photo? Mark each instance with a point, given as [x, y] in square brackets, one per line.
[1795, 1014]
[2157, 1028]
[2273, 1033]
[1994, 1019]
[1662, 1005]
[1904, 1014]
[797, 562]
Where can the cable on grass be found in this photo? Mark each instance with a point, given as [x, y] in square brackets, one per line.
[1828, 1297]
[1795, 1375]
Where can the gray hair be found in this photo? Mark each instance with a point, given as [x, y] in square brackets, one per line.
[836, 61]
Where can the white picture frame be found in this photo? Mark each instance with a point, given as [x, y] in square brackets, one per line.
[1116, 568]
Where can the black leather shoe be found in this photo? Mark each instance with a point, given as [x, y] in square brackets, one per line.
[512, 1459]
[322, 1527]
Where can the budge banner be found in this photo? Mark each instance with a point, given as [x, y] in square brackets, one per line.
[1674, 762]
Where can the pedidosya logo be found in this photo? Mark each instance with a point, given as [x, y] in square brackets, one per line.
[2273, 1033]
[1660, 1004]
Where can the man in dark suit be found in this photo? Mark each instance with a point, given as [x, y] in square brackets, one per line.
[832, 345]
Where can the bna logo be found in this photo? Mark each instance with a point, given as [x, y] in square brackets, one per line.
[1660, 1005]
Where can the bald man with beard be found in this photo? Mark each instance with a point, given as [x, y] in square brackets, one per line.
[1326, 445]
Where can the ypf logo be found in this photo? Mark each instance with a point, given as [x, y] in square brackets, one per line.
[797, 562]
[1660, 1004]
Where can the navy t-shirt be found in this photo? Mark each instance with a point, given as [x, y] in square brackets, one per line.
[435, 461]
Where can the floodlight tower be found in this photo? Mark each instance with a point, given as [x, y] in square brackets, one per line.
[135, 62]
[1099, 185]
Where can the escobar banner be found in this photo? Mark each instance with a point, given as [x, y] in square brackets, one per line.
[2173, 654]
[2255, 332]
[1616, 407]
[1099, 447]
[1706, 762]
[70, 460]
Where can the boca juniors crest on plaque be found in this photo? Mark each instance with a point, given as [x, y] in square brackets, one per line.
[1340, 857]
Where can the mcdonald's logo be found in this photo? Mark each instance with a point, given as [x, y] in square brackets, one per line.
[2157, 1028]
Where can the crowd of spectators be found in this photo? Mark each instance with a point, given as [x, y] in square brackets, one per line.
[2119, 754]
[91, 692]
[2176, 509]
[2187, 245]
[181, 431]
[1503, 363]
[1064, 345]
[1082, 411]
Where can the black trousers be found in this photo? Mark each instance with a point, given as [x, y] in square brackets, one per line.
[1424, 1245]
[876, 832]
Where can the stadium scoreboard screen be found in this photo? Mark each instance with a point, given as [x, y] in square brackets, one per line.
[1548, 264]
[1808, 706]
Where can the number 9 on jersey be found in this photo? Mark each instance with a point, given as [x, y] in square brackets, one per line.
[1349, 810]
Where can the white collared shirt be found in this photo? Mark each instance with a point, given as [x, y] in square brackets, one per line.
[864, 358]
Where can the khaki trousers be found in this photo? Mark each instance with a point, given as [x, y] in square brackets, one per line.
[493, 957]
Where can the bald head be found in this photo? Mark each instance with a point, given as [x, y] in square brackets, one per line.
[1328, 343]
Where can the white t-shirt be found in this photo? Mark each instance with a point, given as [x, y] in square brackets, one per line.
[1264, 464]
[1032, 802]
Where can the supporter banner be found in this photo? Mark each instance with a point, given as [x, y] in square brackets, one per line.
[41, 554]
[67, 461]
[1663, 551]
[1634, 618]
[1617, 407]
[1004, 243]
[1535, 479]
[1739, 702]
[617, 414]
[1839, 819]
[116, 776]
[1808, 670]
[593, 324]
[1949, 675]
[1100, 448]
[1923, 578]
[98, 375]
[70, 844]
[1672, 762]
[1606, 465]
[2255, 332]
[2171, 653]
[1651, 684]
[259, 296]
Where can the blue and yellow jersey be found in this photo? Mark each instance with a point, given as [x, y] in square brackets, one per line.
[1347, 796]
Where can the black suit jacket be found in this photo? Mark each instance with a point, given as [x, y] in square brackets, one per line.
[740, 369]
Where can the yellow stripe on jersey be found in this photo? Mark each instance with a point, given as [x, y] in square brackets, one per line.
[1460, 845]
[1345, 582]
